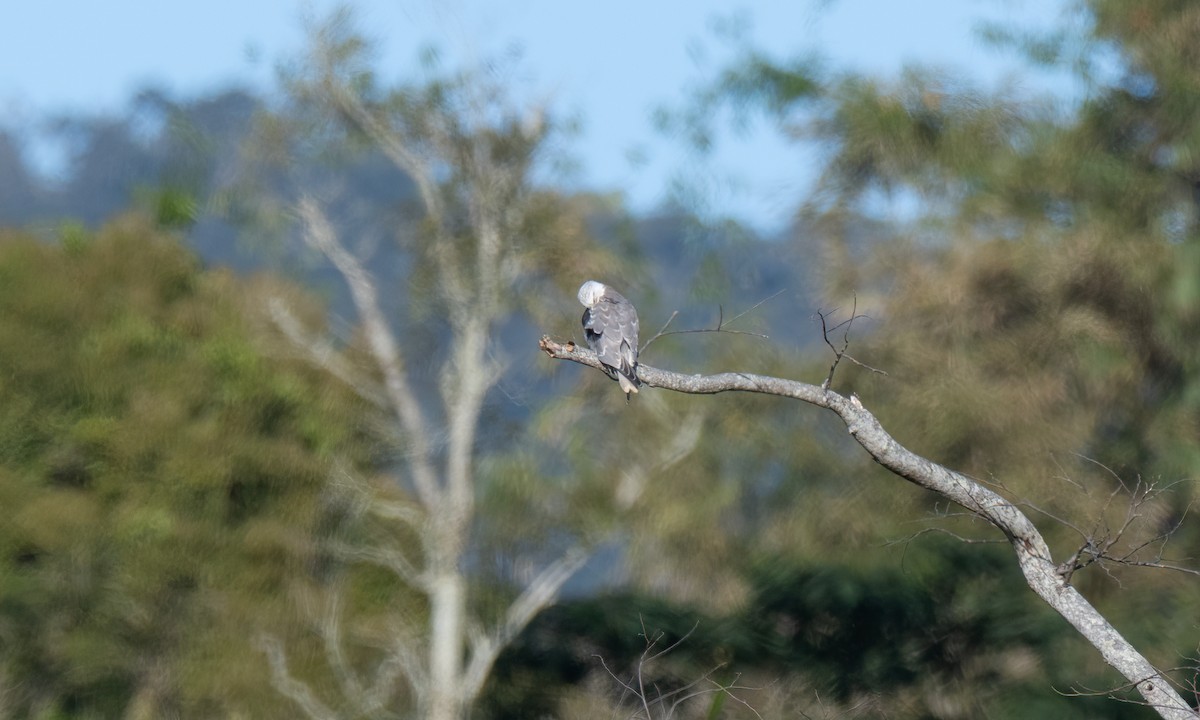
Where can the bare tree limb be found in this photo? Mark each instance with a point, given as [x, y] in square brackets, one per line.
[462, 144]
[944, 531]
[331, 637]
[1099, 544]
[320, 235]
[721, 326]
[670, 701]
[370, 701]
[839, 353]
[352, 107]
[402, 661]
[1033, 555]
[539, 594]
[661, 331]
[288, 686]
[321, 353]
[389, 559]
[634, 477]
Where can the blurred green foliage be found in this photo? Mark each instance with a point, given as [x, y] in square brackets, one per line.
[1036, 319]
[941, 630]
[161, 479]
[164, 463]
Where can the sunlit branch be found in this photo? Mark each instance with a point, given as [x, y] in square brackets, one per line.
[1033, 555]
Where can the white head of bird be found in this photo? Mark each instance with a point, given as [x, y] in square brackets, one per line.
[590, 293]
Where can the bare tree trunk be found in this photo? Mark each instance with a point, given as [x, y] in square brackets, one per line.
[447, 609]
[1048, 580]
[471, 162]
[456, 661]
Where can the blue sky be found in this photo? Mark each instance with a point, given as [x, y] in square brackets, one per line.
[610, 63]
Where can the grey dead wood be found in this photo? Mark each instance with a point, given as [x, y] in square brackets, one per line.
[1044, 577]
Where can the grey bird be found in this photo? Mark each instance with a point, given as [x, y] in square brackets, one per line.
[610, 324]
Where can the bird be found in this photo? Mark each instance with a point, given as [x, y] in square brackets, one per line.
[610, 325]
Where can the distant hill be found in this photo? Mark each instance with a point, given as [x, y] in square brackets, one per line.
[194, 147]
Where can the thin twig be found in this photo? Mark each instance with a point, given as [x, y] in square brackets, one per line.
[1098, 546]
[636, 684]
[661, 331]
[944, 531]
[839, 353]
[721, 323]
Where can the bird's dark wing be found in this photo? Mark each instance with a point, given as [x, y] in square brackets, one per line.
[591, 329]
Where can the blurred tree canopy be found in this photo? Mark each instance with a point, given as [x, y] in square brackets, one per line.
[162, 479]
[1043, 296]
[1036, 316]
[167, 458]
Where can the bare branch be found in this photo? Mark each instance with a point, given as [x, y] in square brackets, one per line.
[728, 691]
[366, 499]
[402, 661]
[635, 475]
[943, 531]
[1033, 555]
[661, 331]
[650, 643]
[1116, 476]
[1099, 545]
[320, 235]
[331, 636]
[628, 688]
[290, 687]
[391, 559]
[400, 155]
[1120, 693]
[471, 168]
[755, 306]
[539, 594]
[321, 353]
[839, 353]
[371, 701]
[721, 326]
[679, 695]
